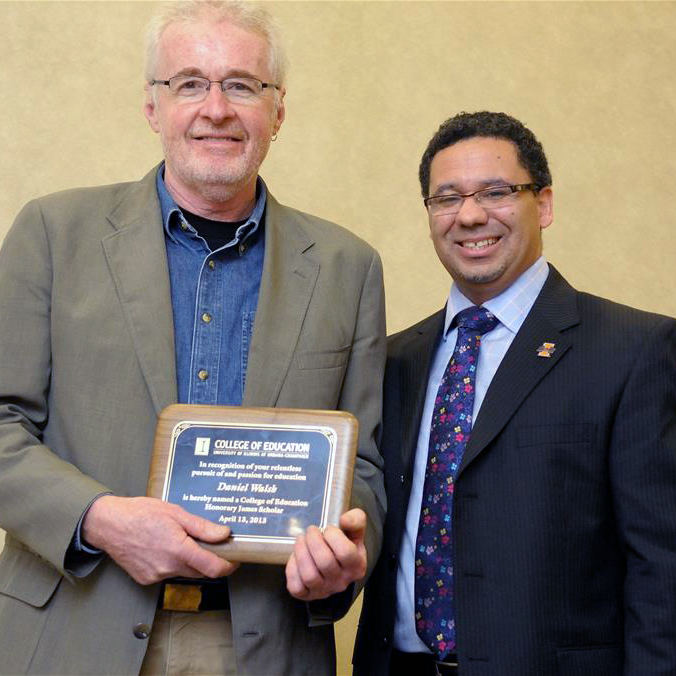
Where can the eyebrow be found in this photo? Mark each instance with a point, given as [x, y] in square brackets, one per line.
[485, 183]
[236, 72]
[189, 71]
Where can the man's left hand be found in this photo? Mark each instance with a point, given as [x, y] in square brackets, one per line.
[323, 564]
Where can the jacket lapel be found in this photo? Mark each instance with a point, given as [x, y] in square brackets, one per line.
[137, 259]
[554, 311]
[289, 276]
[413, 375]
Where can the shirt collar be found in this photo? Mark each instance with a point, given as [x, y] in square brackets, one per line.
[512, 305]
[169, 208]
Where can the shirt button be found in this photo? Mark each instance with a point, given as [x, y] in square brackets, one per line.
[242, 248]
[212, 264]
[206, 317]
[142, 630]
[203, 374]
[184, 226]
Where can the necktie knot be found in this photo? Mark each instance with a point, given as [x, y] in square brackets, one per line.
[476, 319]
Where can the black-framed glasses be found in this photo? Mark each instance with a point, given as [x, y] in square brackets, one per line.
[488, 198]
[195, 88]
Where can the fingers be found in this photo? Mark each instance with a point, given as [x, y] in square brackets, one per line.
[324, 564]
[204, 563]
[294, 583]
[202, 529]
[353, 524]
[317, 562]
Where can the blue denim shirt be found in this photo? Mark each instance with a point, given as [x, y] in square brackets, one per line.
[214, 297]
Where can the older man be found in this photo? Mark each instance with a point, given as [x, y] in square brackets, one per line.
[192, 285]
[530, 448]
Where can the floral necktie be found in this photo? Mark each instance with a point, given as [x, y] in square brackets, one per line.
[449, 433]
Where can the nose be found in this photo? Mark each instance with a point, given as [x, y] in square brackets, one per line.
[471, 213]
[215, 106]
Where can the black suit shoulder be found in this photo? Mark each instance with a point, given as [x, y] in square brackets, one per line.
[409, 354]
[399, 343]
[617, 334]
[599, 310]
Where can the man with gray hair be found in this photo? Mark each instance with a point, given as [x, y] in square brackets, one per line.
[193, 285]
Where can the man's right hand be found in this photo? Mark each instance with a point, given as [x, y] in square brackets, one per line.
[153, 540]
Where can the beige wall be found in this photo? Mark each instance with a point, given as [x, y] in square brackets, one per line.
[370, 82]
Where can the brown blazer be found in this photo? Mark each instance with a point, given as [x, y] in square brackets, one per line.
[86, 364]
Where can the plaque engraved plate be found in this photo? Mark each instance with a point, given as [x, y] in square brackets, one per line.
[267, 473]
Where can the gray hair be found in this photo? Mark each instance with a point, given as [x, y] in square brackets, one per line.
[243, 14]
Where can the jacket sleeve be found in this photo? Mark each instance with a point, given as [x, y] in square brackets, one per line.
[643, 475]
[362, 395]
[42, 496]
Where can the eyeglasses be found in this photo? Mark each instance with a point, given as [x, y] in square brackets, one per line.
[193, 88]
[487, 198]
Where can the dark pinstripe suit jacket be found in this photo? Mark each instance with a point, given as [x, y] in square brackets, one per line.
[565, 503]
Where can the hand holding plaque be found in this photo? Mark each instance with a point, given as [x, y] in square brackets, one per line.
[325, 563]
[267, 473]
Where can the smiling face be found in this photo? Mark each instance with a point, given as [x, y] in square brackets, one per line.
[212, 148]
[485, 251]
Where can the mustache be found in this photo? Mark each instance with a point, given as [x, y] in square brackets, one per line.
[224, 131]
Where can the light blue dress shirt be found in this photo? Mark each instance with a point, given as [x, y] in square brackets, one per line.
[511, 308]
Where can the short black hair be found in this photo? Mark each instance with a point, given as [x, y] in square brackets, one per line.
[464, 126]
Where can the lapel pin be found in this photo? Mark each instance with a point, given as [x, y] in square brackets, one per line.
[546, 349]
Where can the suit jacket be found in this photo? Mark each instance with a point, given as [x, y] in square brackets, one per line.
[564, 512]
[86, 364]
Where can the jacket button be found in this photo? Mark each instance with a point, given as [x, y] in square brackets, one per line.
[142, 630]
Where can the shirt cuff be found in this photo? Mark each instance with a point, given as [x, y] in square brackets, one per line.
[78, 542]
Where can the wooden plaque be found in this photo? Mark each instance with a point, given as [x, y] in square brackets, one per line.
[267, 473]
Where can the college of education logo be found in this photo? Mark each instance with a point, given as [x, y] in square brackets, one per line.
[202, 445]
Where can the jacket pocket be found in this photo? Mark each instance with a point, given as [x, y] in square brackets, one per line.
[324, 359]
[547, 435]
[26, 577]
[596, 661]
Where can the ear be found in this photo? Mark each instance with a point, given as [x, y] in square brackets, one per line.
[150, 110]
[430, 223]
[545, 202]
[280, 112]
